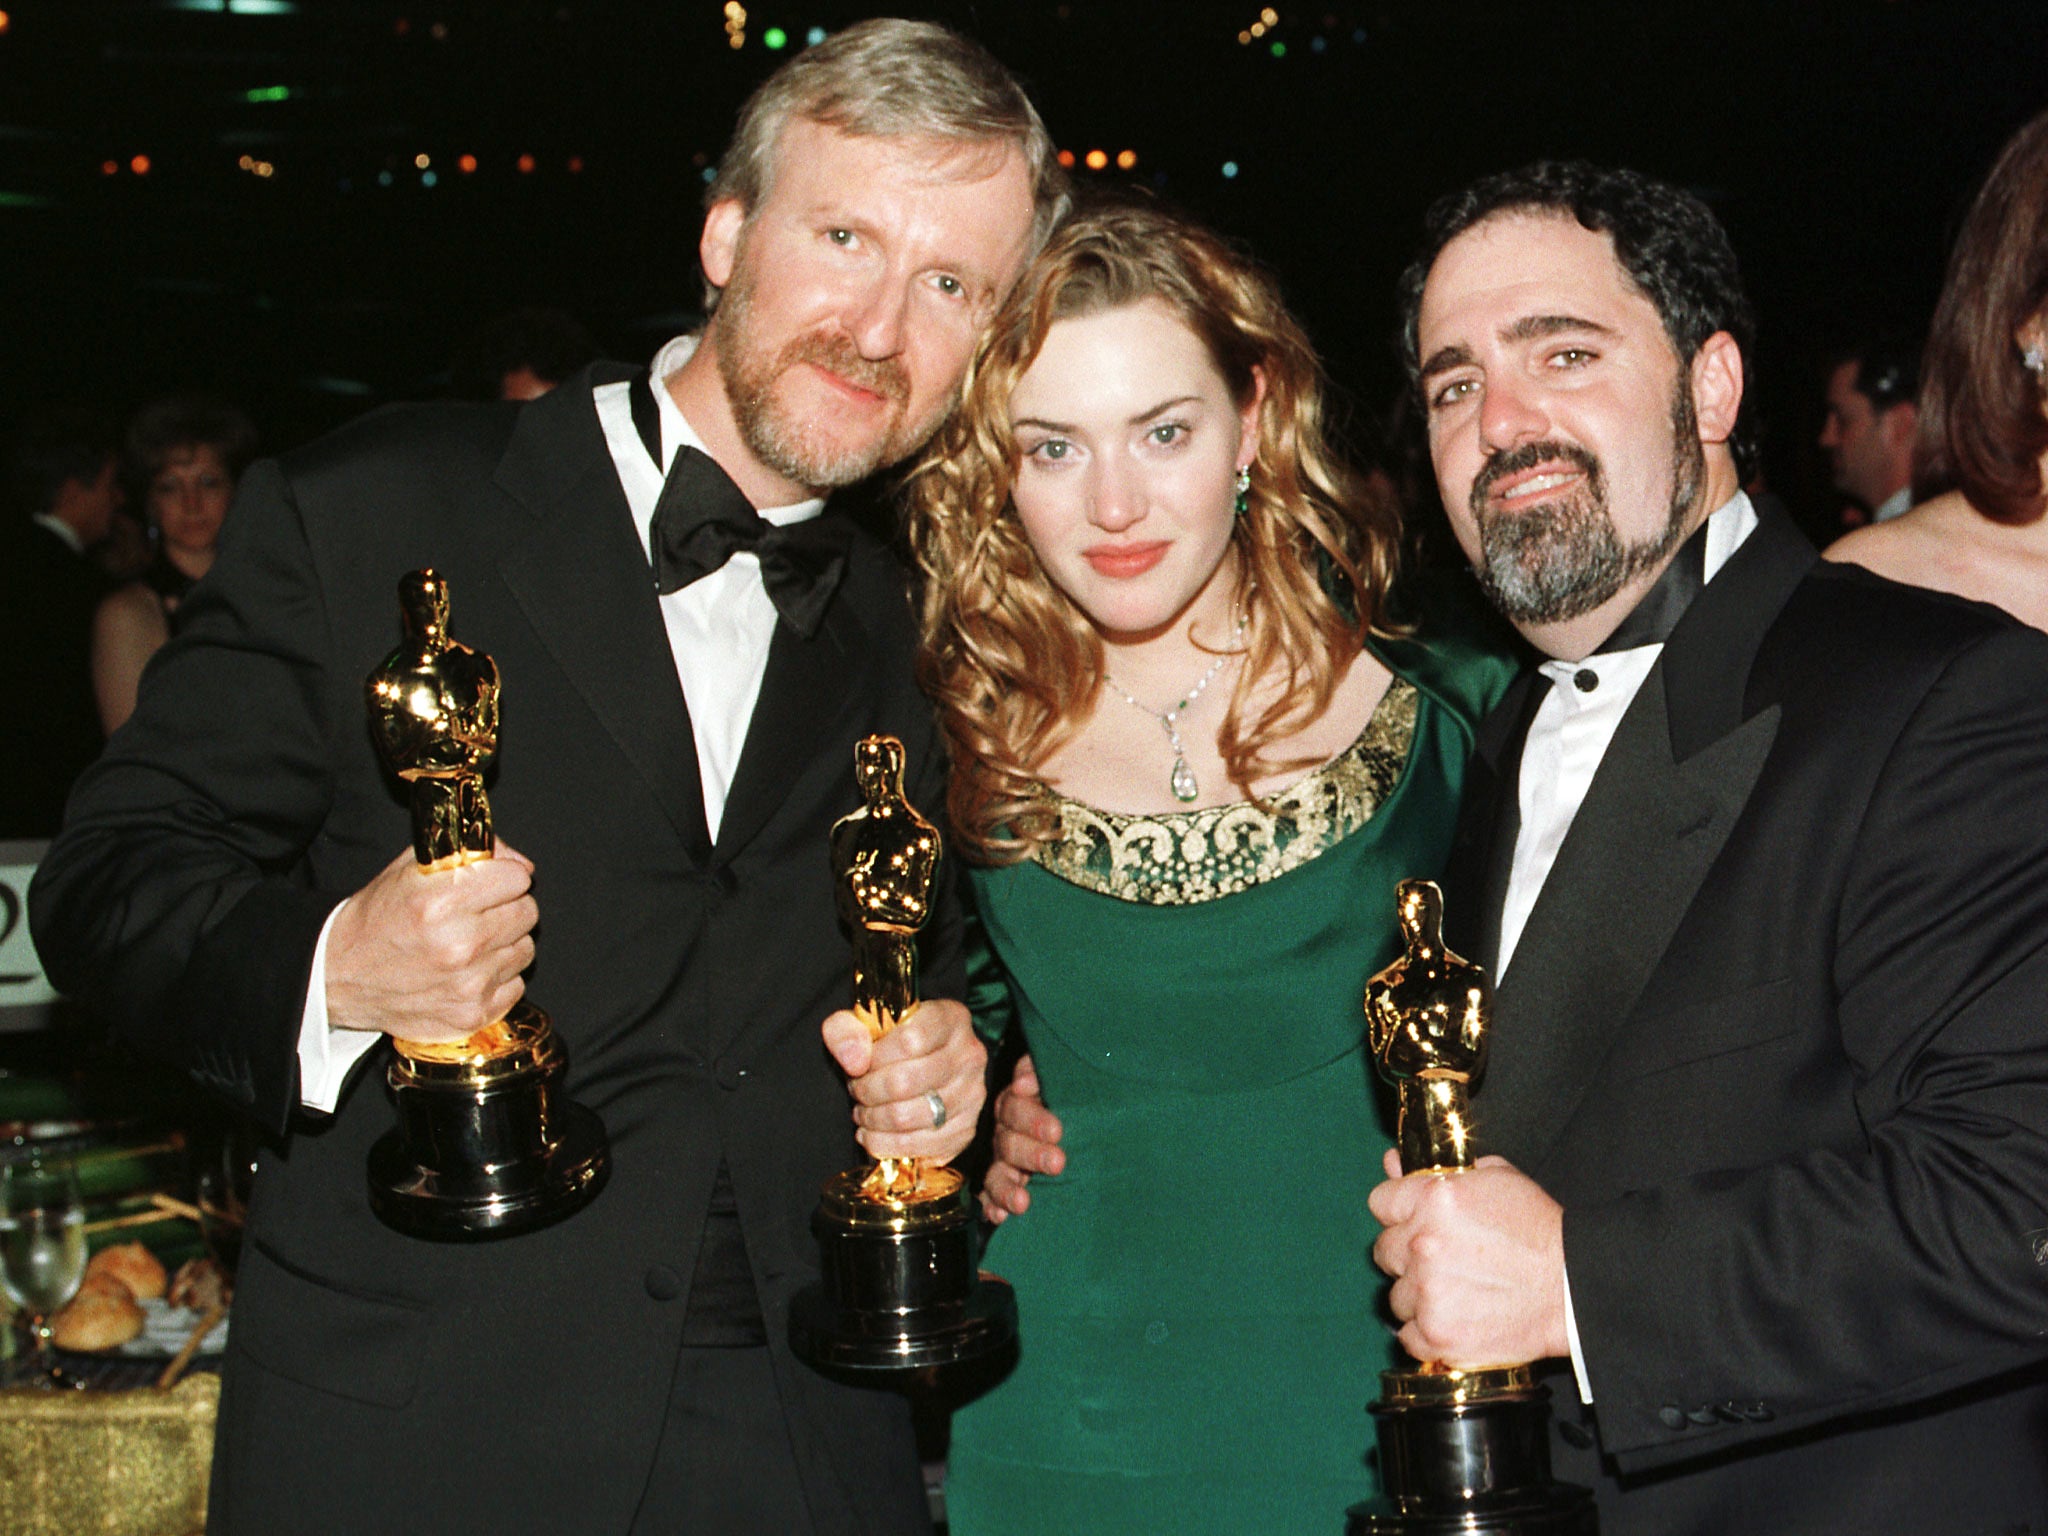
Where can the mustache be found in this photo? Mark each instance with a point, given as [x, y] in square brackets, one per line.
[1526, 456]
[836, 352]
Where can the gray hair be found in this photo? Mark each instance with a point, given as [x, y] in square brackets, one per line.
[888, 78]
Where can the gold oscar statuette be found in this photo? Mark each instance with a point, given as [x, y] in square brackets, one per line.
[898, 1239]
[1464, 1450]
[487, 1144]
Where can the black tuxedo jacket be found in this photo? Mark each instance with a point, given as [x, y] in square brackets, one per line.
[374, 1381]
[1776, 1037]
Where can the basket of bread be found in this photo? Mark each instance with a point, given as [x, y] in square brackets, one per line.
[129, 1304]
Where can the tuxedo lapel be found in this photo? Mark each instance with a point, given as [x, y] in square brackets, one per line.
[806, 687]
[1659, 811]
[584, 582]
[1489, 819]
[1642, 842]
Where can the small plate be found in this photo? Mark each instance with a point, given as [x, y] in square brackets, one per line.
[165, 1329]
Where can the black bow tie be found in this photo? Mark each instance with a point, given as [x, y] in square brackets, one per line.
[702, 520]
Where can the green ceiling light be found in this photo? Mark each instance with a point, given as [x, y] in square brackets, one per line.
[775, 39]
[268, 93]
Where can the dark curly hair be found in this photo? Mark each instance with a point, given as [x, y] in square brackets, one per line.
[1668, 242]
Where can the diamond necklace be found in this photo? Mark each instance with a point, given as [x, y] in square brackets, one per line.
[1182, 781]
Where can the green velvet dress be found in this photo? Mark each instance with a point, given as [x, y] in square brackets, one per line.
[1201, 1324]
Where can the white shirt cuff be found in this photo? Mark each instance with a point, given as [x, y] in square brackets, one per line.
[1571, 1334]
[326, 1055]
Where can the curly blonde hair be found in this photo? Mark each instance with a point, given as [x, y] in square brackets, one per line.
[1012, 664]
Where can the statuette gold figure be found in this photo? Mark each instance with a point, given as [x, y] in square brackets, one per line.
[1429, 1014]
[898, 1245]
[487, 1144]
[1460, 1450]
[885, 864]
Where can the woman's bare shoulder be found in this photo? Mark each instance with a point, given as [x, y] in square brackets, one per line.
[1902, 545]
[129, 614]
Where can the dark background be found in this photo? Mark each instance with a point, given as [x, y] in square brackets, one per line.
[1839, 139]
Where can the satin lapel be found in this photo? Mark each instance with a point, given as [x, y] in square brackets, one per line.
[1672, 785]
[804, 690]
[1642, 842]
[583, 580]
[1490, 816]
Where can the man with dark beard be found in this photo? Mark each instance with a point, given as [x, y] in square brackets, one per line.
[1759, 859]
[690, 646]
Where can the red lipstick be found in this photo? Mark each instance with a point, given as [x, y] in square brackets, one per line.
[1123, 561]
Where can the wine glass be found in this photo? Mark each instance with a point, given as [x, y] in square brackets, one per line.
[42, 1243]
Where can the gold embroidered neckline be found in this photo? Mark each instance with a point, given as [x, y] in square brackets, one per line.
[1178, 858]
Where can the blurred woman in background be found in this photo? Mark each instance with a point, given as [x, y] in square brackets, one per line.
[184, 455]
[1983, 407]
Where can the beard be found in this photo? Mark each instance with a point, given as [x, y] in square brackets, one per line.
[797, 447]
[1560, 559]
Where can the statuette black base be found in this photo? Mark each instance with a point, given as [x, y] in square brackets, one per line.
[901, 1287]
[1471, 1460]
[487, 1148]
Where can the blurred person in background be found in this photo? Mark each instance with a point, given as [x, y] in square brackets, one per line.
[1983, 439]
[64, 489]
[521, 355]
[1872, 417]
[184, 456]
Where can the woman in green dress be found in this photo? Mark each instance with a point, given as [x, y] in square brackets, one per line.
[1193, 755]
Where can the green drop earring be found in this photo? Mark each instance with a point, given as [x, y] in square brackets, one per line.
[1244, 489]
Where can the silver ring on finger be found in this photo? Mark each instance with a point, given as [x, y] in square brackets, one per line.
[938, 1105]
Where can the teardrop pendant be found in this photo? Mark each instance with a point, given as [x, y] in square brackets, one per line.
[1185, 789]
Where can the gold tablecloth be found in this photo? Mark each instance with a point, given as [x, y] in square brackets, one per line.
[107, 1463]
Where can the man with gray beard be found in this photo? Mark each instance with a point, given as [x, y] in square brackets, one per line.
[1759, 859]
[691, 644]
[1561, 558]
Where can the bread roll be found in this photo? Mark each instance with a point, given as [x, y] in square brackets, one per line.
[102, 1317]
[104, 1284]
[134, 1265]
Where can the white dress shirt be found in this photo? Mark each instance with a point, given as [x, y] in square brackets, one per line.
[62, 529]
[719, 630]
[1567, 739]
[1898, 504]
